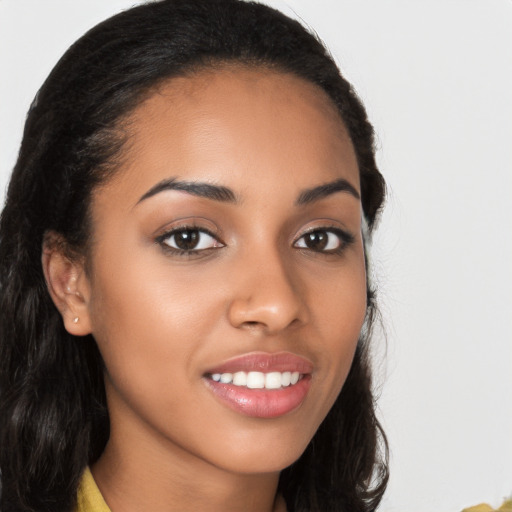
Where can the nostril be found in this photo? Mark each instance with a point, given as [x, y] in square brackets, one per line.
[251, 324]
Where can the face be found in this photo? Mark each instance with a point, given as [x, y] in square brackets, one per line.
[227, 284]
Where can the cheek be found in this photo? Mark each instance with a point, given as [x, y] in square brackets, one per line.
[339, 312]
[147, 320]
[150, 326]
[338, 299]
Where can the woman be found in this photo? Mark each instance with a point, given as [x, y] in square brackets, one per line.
[184, 294]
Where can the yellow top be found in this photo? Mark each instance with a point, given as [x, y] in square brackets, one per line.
[89, 498]
[506, 507]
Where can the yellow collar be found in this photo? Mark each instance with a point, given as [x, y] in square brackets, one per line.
[89, 498]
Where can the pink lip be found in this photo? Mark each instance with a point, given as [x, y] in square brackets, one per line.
[263, 362]
[262, 403]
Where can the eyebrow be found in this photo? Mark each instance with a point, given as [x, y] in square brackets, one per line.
[226, 195]
[316, 193]
[200, 189]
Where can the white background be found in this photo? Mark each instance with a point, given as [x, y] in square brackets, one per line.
[436, 77]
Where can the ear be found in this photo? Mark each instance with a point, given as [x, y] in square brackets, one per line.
[68, 285]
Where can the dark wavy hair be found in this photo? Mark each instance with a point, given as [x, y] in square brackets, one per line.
[54, 419]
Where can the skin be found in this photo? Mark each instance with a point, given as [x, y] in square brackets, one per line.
[162, 319]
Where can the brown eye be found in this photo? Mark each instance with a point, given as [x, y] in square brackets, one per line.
[190, 239]
[317, 240]
[186, 239]
[324, 240]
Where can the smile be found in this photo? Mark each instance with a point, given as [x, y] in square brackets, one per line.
[258, 380]
[261, 385]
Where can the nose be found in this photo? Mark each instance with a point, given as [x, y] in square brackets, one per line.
[268, 295]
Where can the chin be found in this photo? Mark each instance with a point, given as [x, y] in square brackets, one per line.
[261, 456]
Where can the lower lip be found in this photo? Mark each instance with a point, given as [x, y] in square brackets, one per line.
[261, 403]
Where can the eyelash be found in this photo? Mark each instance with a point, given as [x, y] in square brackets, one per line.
[344, 239]
[163, 239]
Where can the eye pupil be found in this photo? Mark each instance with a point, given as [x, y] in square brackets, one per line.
[316, 240]
[186, 239]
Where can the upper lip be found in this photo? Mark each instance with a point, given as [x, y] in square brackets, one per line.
[264, 362]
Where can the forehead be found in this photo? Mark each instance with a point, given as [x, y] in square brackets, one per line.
[238, 126]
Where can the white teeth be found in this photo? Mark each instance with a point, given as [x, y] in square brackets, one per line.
[255, 380]
[226, 378]
[273, 380]
[240, 379]
[258, 380]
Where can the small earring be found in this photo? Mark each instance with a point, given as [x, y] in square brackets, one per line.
[75, 320]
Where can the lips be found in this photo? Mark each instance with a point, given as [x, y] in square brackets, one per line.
[261, 385]
[262, 362]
